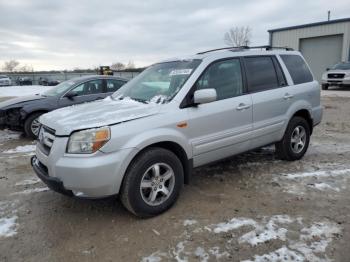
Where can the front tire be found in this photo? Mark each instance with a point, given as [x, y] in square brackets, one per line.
[295, 141]
[32, 125]
[325, 87]
[152, 182]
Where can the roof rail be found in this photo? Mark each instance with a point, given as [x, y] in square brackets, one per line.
[236, 48]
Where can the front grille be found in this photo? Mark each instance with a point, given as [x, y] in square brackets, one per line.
[336, 76]
[46, 139]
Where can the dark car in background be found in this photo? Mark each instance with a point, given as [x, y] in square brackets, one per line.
[43, 81]
[22, 113]
[24, 81]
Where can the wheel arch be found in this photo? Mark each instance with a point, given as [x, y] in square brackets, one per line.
[28, 114]
[175, 148]
[304, 113]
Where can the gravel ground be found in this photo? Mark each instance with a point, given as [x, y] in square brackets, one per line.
[250, 207]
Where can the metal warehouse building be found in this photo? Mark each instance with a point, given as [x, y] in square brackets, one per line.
[323, 44]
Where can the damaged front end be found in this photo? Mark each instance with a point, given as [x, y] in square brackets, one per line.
[11, 118]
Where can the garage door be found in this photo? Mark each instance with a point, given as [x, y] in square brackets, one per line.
[321, 52]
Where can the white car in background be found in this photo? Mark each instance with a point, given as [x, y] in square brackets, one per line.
[5, 80]
[337, 75]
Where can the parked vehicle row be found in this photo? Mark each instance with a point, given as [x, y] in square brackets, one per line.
[23, 113]
[338, 75]
[5, 80]
[143, 141]
[48, 82]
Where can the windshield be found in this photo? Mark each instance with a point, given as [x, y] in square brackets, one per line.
[159, 83]
[59, 89]
[342, 66]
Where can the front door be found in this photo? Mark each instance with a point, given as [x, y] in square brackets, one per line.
[221, 128]
[86, 92]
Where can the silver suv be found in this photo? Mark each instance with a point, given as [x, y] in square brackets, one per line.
[143, 141]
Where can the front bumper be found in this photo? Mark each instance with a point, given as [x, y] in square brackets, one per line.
[94, 176]
[53, 183]
[336, 82]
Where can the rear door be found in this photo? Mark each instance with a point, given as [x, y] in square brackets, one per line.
[221, 128]
[271, 100]
[86, 92]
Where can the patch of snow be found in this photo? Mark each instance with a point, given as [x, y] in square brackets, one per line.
[281, 254]
[322, 173]
[323, 186]
[215, 251]
[10, 91]
[155, 257]
[269, 231]
[30, 181]
[234, 224]
[21, 149]
[201, 254]
[190, 222]
[31, 190]
[331, 178]
[8, 226]
[6, 135]
[308, 243]
[178, 252]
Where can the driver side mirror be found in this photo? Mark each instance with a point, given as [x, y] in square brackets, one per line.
[327, 69]
[204, 96]
[71, 94]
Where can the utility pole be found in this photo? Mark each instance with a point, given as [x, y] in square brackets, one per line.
[329, 15]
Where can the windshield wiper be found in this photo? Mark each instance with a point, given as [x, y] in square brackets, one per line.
[139, 100]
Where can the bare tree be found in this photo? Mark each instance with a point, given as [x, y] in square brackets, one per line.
[25, 68]
[117, 66]
[10, 66]
[238, 36]
[130, 65]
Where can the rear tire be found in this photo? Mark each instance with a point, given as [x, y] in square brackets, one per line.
[152, 182]
[295, 141]
[325, 87]
[32, 126]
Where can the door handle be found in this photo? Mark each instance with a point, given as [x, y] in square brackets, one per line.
[242, 106]
[287, 96]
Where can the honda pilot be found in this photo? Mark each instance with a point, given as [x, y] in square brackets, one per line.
[142, 142]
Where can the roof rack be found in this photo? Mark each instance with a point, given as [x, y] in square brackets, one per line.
[237, 48]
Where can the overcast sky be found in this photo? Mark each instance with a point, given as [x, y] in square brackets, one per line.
[66, 34]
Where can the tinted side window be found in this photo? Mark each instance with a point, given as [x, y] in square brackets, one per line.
[88, 88]
[225, 77]
[297, 68]
[261, 73]
[113, 85]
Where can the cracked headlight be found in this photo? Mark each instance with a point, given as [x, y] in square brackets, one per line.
[88, 141]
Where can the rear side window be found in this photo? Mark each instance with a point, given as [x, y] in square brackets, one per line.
[261, 73]
[297, 68]
[113, 85]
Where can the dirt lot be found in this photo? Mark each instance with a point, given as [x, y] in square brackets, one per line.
[250, 207]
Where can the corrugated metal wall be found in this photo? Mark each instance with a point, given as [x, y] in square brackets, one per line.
[291, 38]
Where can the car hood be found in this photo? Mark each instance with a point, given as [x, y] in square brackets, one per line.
[96, 114]
[18, 100]
[338, 71]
